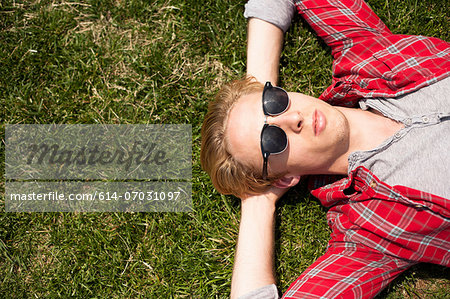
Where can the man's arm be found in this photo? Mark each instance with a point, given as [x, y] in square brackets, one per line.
[264, 44]
[254, 258]
[268, 20]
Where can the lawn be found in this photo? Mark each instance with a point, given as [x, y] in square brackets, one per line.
[149, 62]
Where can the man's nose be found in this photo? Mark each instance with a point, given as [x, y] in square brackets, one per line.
[288, 120]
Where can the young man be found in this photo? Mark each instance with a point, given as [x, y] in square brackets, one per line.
[257, 141]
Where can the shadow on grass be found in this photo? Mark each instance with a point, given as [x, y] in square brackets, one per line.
[420, 281]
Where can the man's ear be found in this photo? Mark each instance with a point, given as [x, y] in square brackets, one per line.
[287, 181]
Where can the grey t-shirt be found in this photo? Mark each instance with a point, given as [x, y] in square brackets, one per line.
[417, 156]
[276, 12]
[266, 292]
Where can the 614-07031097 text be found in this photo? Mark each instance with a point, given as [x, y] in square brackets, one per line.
[140, 195]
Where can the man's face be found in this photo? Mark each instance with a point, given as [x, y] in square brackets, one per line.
[317, 133]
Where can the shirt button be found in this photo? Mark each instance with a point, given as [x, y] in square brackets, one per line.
[408, 122]
[397, 135]
[425, 119]
[373, 184]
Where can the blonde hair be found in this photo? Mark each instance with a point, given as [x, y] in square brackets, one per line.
[227, 174]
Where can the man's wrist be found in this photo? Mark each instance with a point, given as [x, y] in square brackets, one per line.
[260, 201]
[258, 208]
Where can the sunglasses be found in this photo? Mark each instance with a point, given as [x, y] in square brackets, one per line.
[275, 101]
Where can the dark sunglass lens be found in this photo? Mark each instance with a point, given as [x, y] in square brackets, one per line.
[275, 101]
[273, 140]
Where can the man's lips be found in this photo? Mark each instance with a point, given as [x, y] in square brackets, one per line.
[319, 122]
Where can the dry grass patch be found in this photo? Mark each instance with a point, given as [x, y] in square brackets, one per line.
[425, 288]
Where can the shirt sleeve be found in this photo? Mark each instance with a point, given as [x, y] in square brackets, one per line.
[266, 292]
[342, 23]
[278, 12]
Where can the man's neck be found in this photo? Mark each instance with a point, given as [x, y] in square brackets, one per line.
[368, 129]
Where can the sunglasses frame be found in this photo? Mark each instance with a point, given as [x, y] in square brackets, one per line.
[266, 154]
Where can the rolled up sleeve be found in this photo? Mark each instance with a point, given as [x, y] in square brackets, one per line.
[266, 292]
[278, 12]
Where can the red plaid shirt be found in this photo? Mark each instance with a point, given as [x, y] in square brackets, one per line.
[398, 221]
[378, 230]
[370, 61]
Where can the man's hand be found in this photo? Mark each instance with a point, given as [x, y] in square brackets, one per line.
[273, 194]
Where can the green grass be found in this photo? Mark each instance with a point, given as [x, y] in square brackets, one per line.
[134, 62]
